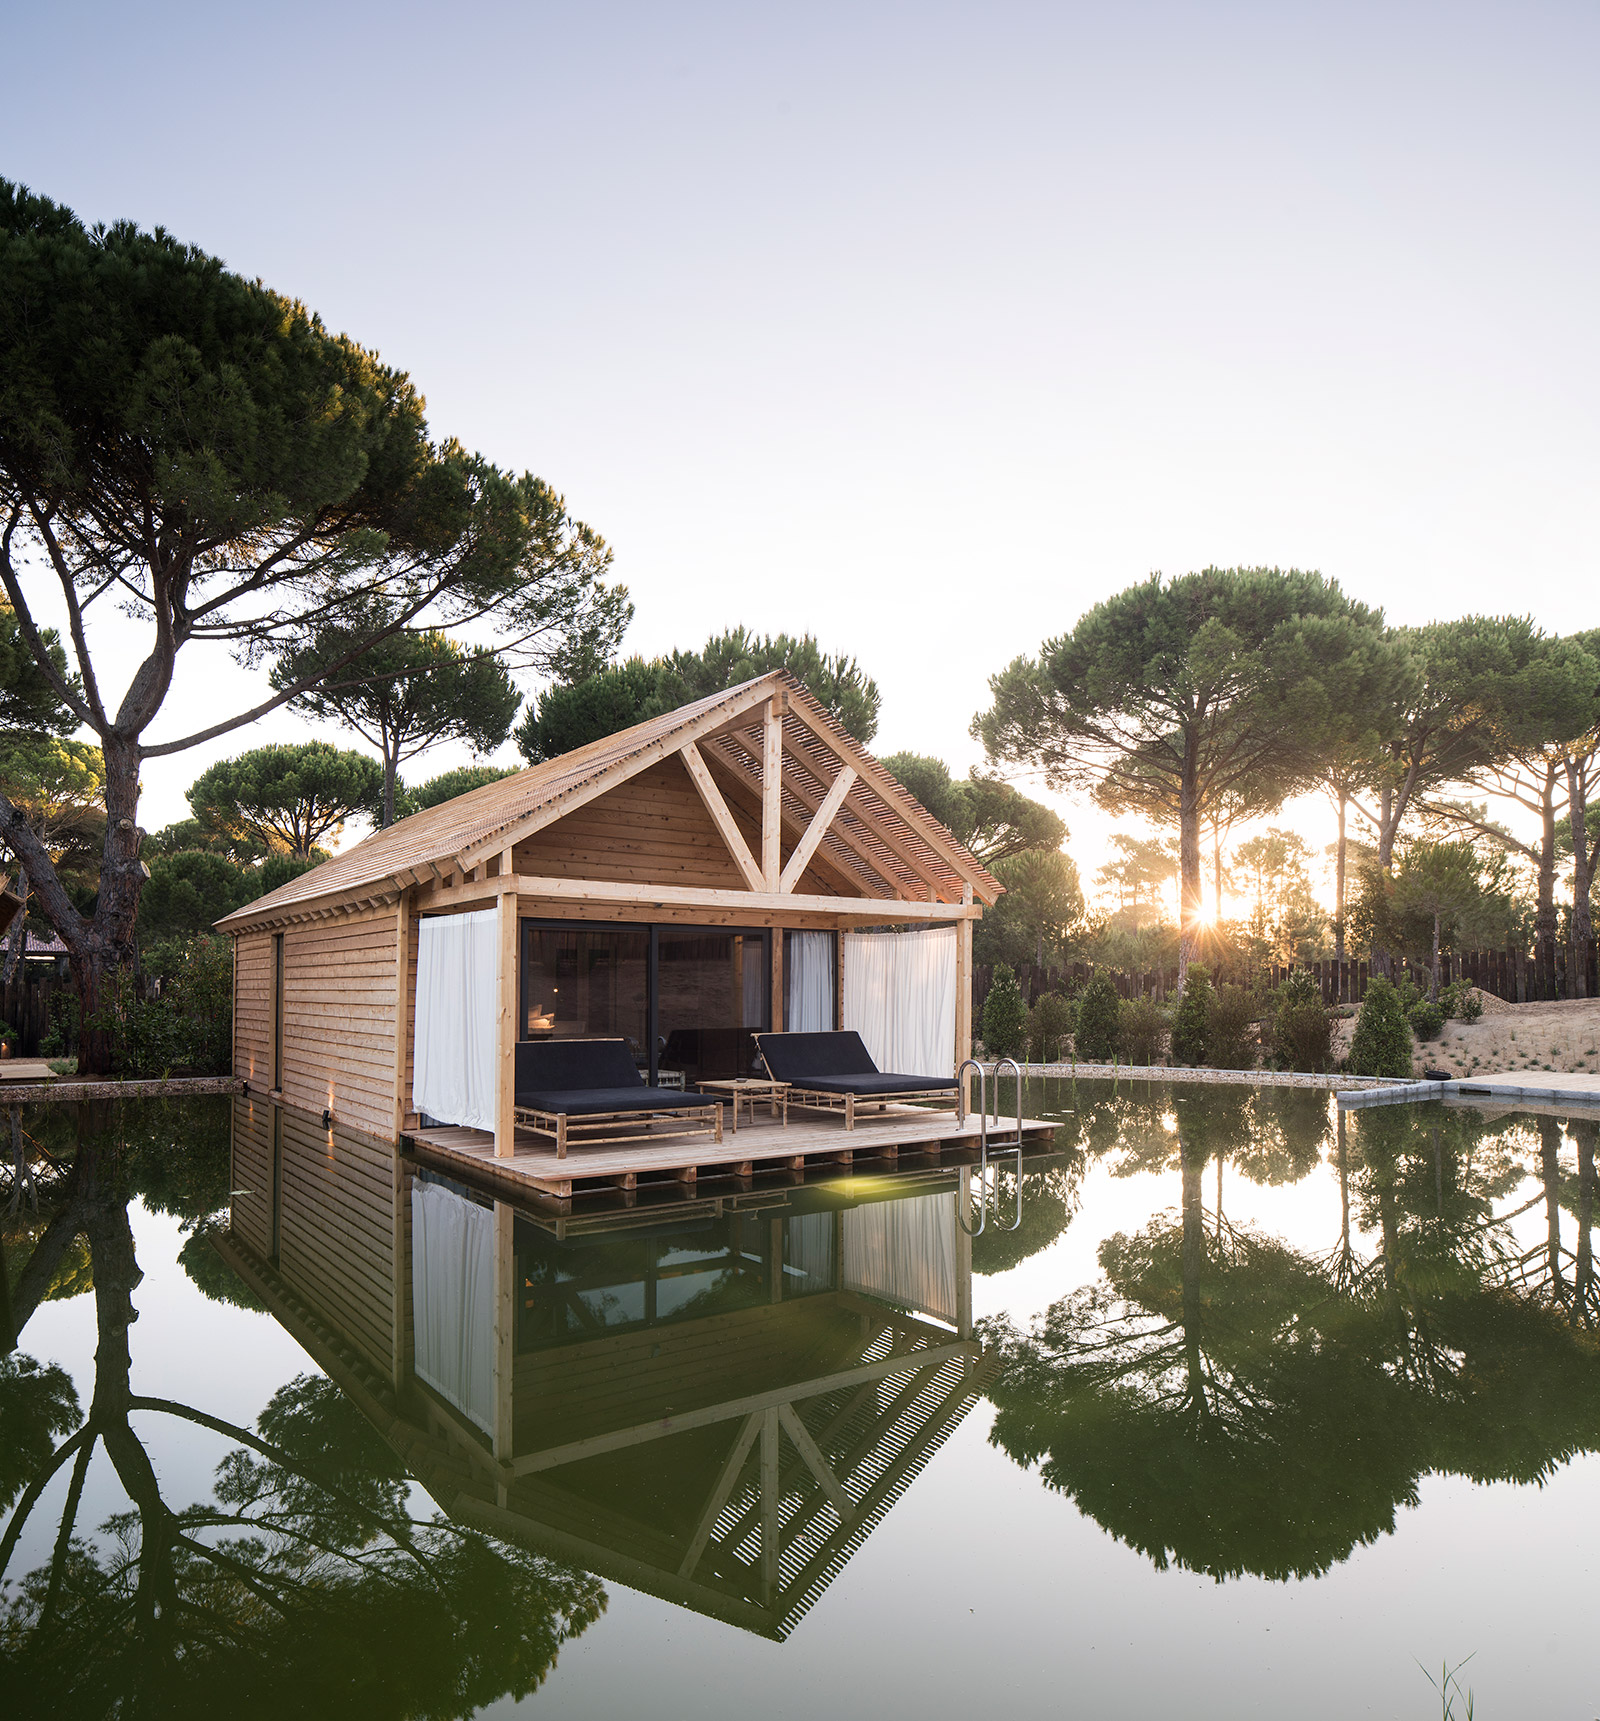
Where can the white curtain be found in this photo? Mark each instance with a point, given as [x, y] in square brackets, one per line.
[904, 1252]
[900, 997]
[458, 1004]
[452, 1299]
[808, 982]
[808, 1250]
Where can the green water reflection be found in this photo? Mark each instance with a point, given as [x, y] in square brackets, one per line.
[713, 1402]
[1231, 1403]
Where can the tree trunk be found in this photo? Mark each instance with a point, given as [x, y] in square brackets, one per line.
[19, 934]
[1583, 1136]
[1216, 866]
[104, 945]
[1433, 982]
[1189, 861]
[391, 769]
[1582, 920]
[1388, 822]
[1338, 881]
[1544, 918]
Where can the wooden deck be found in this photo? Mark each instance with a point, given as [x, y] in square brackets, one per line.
[760, 1148]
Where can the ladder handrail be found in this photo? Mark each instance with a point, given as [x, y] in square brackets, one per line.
[1013, 1148]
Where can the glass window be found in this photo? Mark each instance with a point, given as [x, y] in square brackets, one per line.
[583, 983]
[714, 997]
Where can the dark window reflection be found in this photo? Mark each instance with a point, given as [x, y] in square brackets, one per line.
[714, 999]
[580, 1287]
[585, 983]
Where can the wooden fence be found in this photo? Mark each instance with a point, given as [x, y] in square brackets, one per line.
[25, 1006]
[1518, 976]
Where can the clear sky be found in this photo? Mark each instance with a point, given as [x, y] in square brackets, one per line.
[924, 327]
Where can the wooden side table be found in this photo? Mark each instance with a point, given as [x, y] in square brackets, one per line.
[750, 1089]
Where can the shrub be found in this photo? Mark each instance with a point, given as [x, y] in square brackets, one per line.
[1141, 1030]
[1050, 1025]
[1096, 1038]
[1302, 1030]
[1462, 1000]
[1426, 1019]
[1382, 1042]
[1231, 1038]
[187, 1024]
[1004, 1015]
[1192, 1018]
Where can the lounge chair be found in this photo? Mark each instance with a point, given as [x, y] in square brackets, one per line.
[833, 1071]
[577, 1091]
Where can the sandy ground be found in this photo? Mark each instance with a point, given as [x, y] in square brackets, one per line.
[1508, 1038]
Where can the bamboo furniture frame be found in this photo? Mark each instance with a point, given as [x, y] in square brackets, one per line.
[750, 1089]
[580, 1128]
[821, 1099]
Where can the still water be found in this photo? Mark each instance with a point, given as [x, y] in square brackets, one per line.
[1256, 1413]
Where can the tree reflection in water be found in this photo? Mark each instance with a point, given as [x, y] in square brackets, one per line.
[306, 1583]
[1224, 1401]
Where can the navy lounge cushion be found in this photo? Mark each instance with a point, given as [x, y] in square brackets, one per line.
[582, 1077]
[837, 1063]
[586, 1102]
[864, 1087]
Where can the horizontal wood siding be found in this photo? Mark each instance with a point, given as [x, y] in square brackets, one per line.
[339, 1019]
[336, 1231]
[653, 829]
[576, 1391]
[250, 1213]
[252, 1008]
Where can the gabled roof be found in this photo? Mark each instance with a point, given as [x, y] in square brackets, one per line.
[881, 836]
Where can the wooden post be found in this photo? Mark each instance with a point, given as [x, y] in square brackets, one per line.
[400, 1201]
[964, 1254]
[771, 1502]
[772, 796]
[505, 1314]
[963, 1047]
[505, 1093]
[779, 1015]
[405, 1004]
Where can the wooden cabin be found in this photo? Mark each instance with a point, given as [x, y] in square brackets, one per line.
[682, 885]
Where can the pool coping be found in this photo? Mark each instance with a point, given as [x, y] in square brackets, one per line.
[1352, 1092]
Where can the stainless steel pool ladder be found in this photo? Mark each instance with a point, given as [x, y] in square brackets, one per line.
[986, 1152]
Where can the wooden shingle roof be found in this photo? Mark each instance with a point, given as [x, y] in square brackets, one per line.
[881, 835]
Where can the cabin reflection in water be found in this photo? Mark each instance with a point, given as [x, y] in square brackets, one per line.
[712, 1401]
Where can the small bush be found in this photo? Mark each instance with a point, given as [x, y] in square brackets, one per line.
[1004, 1015]
[1097, 1037]
[1231, 1038]
[1427, 1020]
[1141, 1030]
[187, 1025]
[1190, 1023]
[1302, 1030]
[1050, 1025]
[1382, 1042]
[1462, 1000]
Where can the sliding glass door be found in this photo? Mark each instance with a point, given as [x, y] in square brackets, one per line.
[713, 996]
[696, 995]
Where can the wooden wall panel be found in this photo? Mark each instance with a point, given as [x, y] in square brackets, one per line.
[339, 1019]
[336, 1231]
[250, 1213]
[252, 1008]
[574, 1391]
[653, 829]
